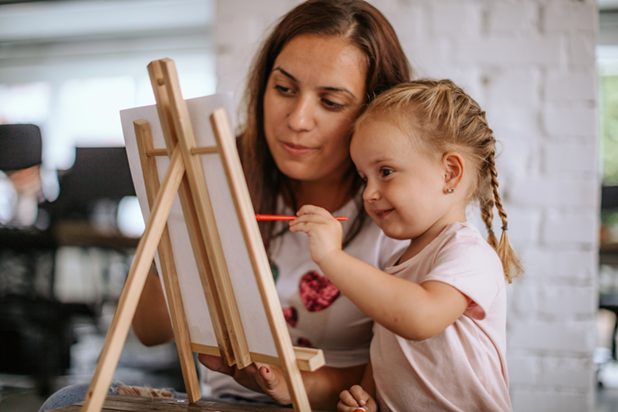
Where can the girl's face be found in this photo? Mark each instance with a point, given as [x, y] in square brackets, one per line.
[314, 94]
[404, 192]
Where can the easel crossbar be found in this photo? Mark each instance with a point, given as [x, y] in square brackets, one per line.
[194, 151]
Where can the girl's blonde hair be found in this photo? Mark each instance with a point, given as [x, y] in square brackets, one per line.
[445, 118]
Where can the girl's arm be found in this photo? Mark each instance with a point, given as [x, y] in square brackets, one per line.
[151, 322]
[323, 386]
[406, 308]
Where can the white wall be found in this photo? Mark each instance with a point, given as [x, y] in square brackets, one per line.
[88, 60]
[531, 64]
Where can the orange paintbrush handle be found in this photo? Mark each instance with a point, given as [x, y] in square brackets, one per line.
[270, 218]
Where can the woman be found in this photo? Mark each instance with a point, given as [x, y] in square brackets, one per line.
[313, 76]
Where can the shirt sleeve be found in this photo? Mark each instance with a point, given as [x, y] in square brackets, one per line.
[472, 267]
[390, 250]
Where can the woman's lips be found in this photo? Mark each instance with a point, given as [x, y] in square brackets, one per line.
[297, 150]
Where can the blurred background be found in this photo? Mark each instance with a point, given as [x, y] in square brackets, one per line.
[69, 226]
[546, 71]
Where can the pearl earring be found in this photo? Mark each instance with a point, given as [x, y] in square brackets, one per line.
[449, 190]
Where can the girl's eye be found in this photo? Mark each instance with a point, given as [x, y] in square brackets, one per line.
[331, 105]
[386, 171]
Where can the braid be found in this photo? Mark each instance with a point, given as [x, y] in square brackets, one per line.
[487, 214]
[510, 262]
[497, 200]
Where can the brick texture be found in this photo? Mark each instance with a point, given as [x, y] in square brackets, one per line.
[531, 64]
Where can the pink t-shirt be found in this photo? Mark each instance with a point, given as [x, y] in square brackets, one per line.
[463, 368]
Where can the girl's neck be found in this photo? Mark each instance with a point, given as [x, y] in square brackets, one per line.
[331, 194]
[421, 242]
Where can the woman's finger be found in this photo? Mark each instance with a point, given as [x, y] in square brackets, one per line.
[215, 363]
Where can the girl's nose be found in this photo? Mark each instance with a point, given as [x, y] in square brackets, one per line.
[371, 192]
[301, 116]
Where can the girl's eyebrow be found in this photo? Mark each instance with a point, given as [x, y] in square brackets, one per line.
[329, 88]
[378, 160]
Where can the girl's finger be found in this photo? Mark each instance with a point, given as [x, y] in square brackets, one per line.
[346, 398]
[359, 394]
[341, 407]
[308, 209]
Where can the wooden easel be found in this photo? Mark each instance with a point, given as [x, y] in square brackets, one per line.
[185, 177]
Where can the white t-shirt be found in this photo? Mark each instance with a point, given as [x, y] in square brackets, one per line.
[464, 367]
[316, 313]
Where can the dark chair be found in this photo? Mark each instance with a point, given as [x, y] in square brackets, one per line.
[98, 174]
[35, 332]
[20, 146]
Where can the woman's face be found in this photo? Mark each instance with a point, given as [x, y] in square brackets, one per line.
[314, 93]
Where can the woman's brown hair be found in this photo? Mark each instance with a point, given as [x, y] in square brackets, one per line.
[444, 118]
[365, 27]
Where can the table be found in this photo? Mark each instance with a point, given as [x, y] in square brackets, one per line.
[115, 403]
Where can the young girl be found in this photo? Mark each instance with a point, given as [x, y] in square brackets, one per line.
[425, 151]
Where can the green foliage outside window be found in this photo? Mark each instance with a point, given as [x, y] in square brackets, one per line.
[609, 129]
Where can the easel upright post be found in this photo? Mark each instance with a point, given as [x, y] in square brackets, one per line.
[168, 268]
[195, 201]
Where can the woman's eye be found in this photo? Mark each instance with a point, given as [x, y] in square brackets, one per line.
[284, 90]
[331, 105]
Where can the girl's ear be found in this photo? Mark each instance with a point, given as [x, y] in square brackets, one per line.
[453, 166]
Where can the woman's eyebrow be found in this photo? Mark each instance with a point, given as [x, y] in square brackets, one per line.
[286, 74]
[328, 88]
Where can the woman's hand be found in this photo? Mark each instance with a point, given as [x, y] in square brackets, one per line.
[264, 378]
[324, 231]
[356, 399]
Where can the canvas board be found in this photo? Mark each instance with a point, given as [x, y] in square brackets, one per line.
[243, 279]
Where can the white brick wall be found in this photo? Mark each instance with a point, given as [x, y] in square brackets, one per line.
[531, 64]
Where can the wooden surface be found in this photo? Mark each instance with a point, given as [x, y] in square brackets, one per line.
[138, 404]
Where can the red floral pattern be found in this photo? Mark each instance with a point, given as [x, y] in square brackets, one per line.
[304, 342]
[316, 292]
[291, 316]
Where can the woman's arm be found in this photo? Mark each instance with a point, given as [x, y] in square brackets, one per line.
[323, 386]
[151, 322]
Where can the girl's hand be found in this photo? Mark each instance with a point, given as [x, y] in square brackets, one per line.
[264, 378]
[324, 231]
[356, 399]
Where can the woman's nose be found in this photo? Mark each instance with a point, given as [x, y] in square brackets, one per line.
[302, 114]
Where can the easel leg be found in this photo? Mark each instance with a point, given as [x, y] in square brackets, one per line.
[168, 268]
[117, 333]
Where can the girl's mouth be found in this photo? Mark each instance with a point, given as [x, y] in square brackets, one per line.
[382, 213]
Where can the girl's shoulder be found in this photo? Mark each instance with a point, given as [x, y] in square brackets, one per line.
[464, 244]
[464, 235]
